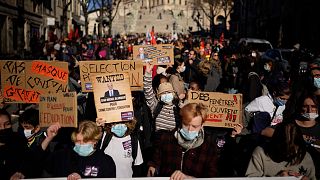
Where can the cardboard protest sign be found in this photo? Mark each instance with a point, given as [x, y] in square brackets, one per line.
[58, 107]
[90, 68]
[13, 82]
[112, 97]
[224, 110]
[161, 54]
[47, 76]
[24, 81]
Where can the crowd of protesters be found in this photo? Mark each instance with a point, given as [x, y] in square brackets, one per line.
[279, 135]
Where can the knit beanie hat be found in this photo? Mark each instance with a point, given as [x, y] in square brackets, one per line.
[165, 87]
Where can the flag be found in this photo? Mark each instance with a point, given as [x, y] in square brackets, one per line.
[76, 34]
[221, 38]
[70, 35]
[153, 38]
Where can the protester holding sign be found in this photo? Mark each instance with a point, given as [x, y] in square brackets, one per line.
[121, 142]
[187, 151]
[165, 111]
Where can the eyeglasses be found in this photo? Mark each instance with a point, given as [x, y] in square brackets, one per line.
[215, 55]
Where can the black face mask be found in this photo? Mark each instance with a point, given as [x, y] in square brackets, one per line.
[5, 135]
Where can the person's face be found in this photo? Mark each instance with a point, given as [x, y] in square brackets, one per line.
[79, 140]
[215, 56]
[194, 125]
[110, 86]
[191, 55]
[284, 97]
[162, 80]
[315, 73]
[180, 67]
[141, 51]
[4, 122]
[309, 106]
[194, 87]
[30, 127]
[208, 46]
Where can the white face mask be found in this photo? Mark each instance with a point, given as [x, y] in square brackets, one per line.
[267, 67]
[253, 54]
[27, 133]
[183, 69]
[311, 116]
[252, 64]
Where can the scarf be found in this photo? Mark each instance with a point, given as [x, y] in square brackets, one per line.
[189, 144]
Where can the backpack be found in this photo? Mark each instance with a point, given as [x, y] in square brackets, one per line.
[264, 90]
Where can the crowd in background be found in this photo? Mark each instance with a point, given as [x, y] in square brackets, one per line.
[279, 135]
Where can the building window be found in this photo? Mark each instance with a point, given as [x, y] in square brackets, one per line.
[159, 16]
[168, 1]
[35, 7]
[140, 17]
[180, 2]
[185, 2]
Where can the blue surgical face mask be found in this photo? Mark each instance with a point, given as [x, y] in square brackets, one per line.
[316, 82]
[119, 129]
[279, 102]
[167, 98]
[189, 135]
[83, 149]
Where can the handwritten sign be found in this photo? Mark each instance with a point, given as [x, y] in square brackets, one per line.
[161, 54]
[47, 76]
[91, 68]
[13, 81]
[25, 81]
[58, 107]
[224, 110]
[112, 97]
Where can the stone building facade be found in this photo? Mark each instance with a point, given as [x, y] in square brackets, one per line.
[22, 21]
[167, 16]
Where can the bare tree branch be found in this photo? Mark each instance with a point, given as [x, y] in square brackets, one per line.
[195, 19]
[116, 11]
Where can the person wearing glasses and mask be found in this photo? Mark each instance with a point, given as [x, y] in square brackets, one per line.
[187, 151]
